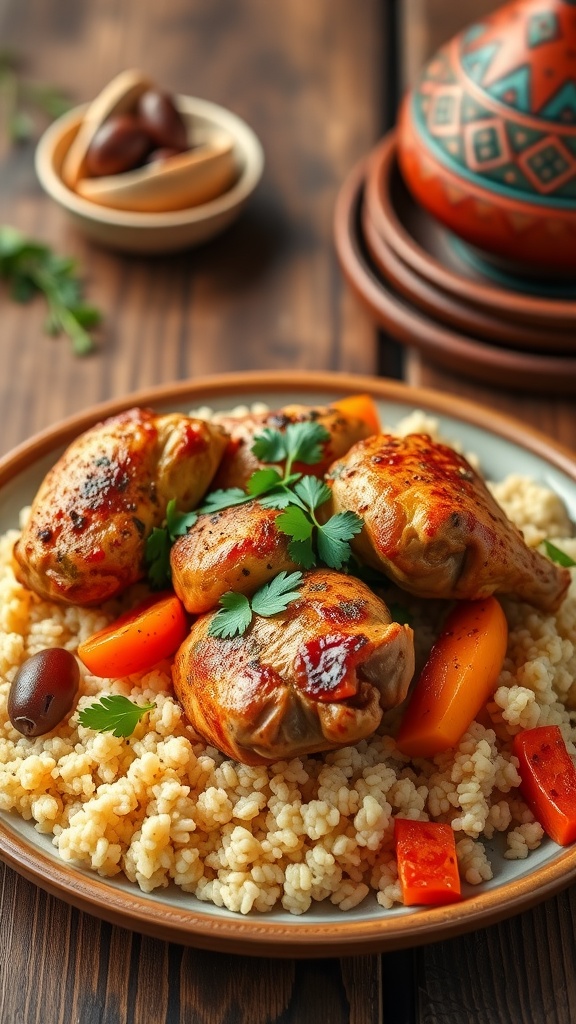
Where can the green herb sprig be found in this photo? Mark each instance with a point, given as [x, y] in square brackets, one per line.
[299, 497]
[237, 610]
[114, 713]
[23, 97]
[30, 268]
[558, 556]
[160, 542]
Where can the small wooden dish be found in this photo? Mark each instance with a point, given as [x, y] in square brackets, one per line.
[424, 245]
[169, 230]
[459, 353]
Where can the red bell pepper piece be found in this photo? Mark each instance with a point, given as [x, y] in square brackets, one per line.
[427, 862]
[548, 778]
[138, 639]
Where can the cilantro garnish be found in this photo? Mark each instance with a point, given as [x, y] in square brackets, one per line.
[31, 268]
[298, 497]
[558, 556]
[237, 610]
[160, 541]
[114, 713]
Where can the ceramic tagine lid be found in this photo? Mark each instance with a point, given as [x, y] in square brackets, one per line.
[487, 138]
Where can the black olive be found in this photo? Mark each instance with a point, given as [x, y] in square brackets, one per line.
[162, 120]
[120, 144]
[43, 691]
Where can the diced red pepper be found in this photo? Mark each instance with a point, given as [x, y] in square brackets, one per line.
[138, 639]
[427, 862]
[548, 778]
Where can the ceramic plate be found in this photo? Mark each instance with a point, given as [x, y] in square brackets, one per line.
[177, 916]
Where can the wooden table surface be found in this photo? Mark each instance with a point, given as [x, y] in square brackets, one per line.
[318, 81]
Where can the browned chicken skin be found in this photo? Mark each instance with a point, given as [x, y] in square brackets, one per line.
[237, 549]
[431, 524]
[86, 536]
[239, 462]
[312, 678]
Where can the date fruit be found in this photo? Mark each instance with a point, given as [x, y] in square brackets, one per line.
[43, 691]
[119, 145]
[163, 122]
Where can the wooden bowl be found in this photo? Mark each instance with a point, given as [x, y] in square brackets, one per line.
[458, 352]
[487, 136]
[503, 445]
[427, 248]
[165, 231]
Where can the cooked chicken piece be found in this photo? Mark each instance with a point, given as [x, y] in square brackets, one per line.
[86, 537]
[237, 549]
[431, 524]
[312, 678]
[239, 462]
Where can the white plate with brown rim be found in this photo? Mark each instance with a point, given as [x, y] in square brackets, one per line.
[170, 914]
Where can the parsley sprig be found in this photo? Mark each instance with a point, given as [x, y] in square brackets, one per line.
[160, 542]
[558, 556]
[237, 610]
[114, 713]
[299, 497]
[30, 268]
[22, 98]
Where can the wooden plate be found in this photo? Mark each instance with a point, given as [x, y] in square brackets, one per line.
[456, 312]
[173, 915]
[426, 247]
[459, 353]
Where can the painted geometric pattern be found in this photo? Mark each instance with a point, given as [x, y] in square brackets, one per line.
[525, 59]
[500, 149]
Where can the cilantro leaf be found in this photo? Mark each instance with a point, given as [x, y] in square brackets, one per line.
[270, 446]
[312, 491]
[558, 556]
[113, 713]
[218, 500]
[334, 536]
[29, 269]
[280, 500]
[295, 523]
[304, 441]
[178, 523]
[158, 558]
[302, 552]
[237, 611]
[262, 481]
[233, 618]
[275, 596]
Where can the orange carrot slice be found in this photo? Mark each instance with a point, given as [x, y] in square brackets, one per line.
[458, 678]
[137, 640]
[427, 862]
[360, 407]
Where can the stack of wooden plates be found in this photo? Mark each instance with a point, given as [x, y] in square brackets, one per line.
[429, 291]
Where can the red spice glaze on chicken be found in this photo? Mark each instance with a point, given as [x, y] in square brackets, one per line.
[431, 524]
[86, 536]
[294, 683]
[239, 462]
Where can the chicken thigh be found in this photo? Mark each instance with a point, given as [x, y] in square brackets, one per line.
[431, 524]
[86, 536]
[237, 549]
[239, 461]
[314, 677]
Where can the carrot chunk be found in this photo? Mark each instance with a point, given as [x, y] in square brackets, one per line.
[458, 678]
[361, 407]
[548, 780]
[138, 639]
[427, 862]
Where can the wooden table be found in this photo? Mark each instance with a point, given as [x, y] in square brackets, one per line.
[314, 81]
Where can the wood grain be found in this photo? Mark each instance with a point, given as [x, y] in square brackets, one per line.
[268, 294]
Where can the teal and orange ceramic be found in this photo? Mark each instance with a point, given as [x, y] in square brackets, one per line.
[487, 140]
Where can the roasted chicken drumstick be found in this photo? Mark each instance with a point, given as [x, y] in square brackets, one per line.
[86, 536]
[311, 678]
[431, 524]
